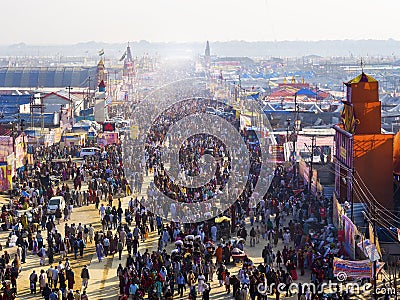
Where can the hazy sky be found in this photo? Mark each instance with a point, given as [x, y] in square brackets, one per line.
[72, 21]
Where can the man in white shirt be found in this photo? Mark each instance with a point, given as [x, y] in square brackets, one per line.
[60, 266]
[42, 252]
[106, 244]
[55, 277]
[102, 211]
[50, 276]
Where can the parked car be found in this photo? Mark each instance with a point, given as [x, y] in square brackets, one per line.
[88, 152]
[54, 203]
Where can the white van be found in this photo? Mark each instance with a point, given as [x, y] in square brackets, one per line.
[54, 202]
[88, 152]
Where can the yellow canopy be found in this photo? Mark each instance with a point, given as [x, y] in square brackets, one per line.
[222, 219]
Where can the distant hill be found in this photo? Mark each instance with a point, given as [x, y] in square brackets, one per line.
[231, 48]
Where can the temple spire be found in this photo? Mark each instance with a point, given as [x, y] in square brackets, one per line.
[207, 52]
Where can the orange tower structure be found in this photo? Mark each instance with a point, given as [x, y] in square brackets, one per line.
[364, 156]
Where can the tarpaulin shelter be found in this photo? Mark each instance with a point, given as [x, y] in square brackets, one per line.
[306, 92]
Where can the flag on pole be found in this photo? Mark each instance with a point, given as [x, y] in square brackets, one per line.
[123, 56]
[101, 52]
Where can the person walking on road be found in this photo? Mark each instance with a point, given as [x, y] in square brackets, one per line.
[99, 251]
[85, 277]
[120, 247]
[42, 280]
[106, 245]
[50, 276]
[91, 233]
[33, 278]
[102, 211]
[42, 255]
[55, 277]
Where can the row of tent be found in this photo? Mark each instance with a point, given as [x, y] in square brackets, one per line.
[285, 92]
[302, 74]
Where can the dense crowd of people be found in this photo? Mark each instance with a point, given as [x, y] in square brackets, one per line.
[291, 224]
[189, 164]
[32, 225]
[188, 256]
[192, 256]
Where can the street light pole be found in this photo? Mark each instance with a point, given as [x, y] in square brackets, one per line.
[310, 174]
[69, 88]
[295, 140]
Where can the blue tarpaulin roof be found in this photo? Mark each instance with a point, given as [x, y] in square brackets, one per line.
[9, 106]
[259, 75]
[245, 76]
[86, 112]
[306, 92]
[253, 96]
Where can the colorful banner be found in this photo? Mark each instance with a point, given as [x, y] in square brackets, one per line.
[369, 250]
[353, 269]
[108, 138]
[57, 135]
[4, 179]
[49, 139]
[10, 176]
[6, 147]
[20, 151]
[349, 234]
[276, 154]
[101, 142]
[10, 164]
[372, 238]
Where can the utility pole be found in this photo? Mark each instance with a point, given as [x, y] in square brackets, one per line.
[69, 88]
[295, 140]
[32, 102]
[42, 112]
[310, 172]
[287, 130]
[89, 102]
